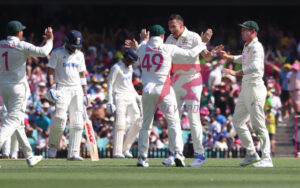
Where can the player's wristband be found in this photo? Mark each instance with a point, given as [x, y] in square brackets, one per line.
[83, 81]
[53, 86]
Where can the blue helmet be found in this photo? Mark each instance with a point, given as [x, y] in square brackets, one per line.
[74, 38]
[130, 54]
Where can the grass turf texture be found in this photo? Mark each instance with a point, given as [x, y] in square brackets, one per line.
[221, 173]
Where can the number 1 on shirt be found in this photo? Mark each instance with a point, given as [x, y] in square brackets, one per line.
[5, 55]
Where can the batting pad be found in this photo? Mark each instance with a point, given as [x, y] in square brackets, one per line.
[56, 129]
[131, 134]
[118, 142]
[75, 141]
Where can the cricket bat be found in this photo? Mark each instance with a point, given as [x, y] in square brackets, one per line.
[90, 134]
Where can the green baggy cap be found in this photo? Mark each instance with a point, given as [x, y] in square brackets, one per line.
[14, 27]
[156, 30]
[250, 25]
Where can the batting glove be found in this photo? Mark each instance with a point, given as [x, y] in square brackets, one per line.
[86, 100]
[52, 95]
[110, 108]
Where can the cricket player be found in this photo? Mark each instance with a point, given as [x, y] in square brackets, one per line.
[66, 68]
[252, 97]
[156, 60]
[123, 99]
[188, 95]
[14, 88]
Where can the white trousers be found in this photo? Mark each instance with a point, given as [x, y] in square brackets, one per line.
[70, 100]
[251, 104]
[125, 106]
[188, 89]
[168, 104]
[14, 98]
[11, 146]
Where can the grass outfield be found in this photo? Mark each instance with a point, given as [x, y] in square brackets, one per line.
[221, 173]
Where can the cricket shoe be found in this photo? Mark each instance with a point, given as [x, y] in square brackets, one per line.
[14, 155]
[264, 163]
[52, 152]
[143, 162]
[170, 161]
[121, 156]
[250, 159]
[34, 160]
[75, 158]
[179, 160]
[127, 154]
[198, 161]
[5, 156]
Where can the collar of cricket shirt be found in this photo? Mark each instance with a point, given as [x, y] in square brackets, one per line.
[66, 50]
[13, 38]
[252, 42]
[183, 36]
[156, 40]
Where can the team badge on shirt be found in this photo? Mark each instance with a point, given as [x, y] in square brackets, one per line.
[78, 40]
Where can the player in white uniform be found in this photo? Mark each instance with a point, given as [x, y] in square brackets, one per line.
[156, 60]
[123, 98]
[67, 67]
[188, 72]
[252, 98]
[14, 88]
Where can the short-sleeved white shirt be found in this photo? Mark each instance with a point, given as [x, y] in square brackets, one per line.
[67, 66]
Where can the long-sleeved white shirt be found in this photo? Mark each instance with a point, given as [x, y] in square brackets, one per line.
[120, 82]
[13, 56]
[156, 59]
[252, 60]
[187, 40]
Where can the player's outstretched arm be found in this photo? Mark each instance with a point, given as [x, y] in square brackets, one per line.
[224, 55]
[209, 56]
[232, 72]
[43, 51]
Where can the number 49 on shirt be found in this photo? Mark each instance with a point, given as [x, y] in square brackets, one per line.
[156, 59]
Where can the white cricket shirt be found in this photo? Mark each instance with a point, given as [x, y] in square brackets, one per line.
[67, 66]
[156, 59]
[13, 56]
[120, 82]
[187, 40]
[252, 60]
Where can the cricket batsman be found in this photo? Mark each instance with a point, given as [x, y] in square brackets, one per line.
[14, 88]
[156, 60]
[188, 83]
[66, 68]
[252, 97]
[123, 99]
